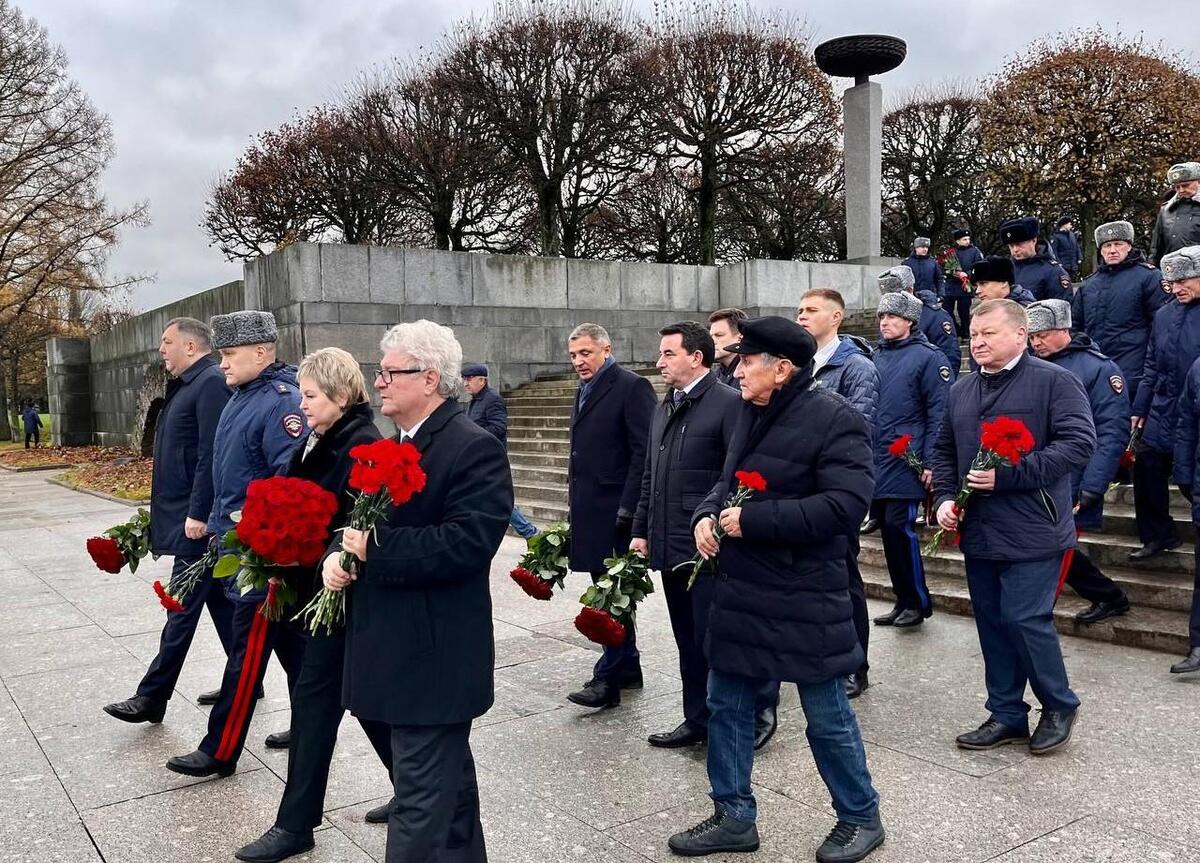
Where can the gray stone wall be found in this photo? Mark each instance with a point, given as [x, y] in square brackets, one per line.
[69, 391]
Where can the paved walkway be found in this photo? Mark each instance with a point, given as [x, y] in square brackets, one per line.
[557, 783]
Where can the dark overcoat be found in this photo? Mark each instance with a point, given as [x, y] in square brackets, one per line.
[488, 410]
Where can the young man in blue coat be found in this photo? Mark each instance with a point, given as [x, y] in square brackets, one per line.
[935, 323]
[1051, 339]
[927, 275]
[1064, 245]
[1036, 267]
[258, 429]
[913, 382]
[32, 422]
[1017, 525]
[956, 292]
[181, 495]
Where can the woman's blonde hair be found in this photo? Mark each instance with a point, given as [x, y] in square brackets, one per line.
[337, 373]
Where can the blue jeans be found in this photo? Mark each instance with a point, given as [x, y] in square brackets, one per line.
[1014, 616]
[523, 526]
[832, 733]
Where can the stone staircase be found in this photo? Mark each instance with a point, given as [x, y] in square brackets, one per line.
[1160, 590]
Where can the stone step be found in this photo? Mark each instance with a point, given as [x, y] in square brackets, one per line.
[536, 421]
[539, 460]
[1144, 627]
[524, 445]
[1123, 494]
[1119, 520]
[555, 431]
[545, 401]
[562, 413]
[542, 492]
[570, 375]
[542, 512]
[540, 475]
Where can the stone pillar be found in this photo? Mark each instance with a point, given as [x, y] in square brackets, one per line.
[69, 387]
[862, 106]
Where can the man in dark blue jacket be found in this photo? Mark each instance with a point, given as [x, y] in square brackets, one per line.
[1034, 264]
[935, 323]
[488, 410]
[1050, 337]
[258, 429]
[181, 494]
[1017, 524]
[913, 381]
[32, 422]
[1115, 305]
[995, 277]
[956, 292]
[927, 275]
[610, 425]
[1064, 245]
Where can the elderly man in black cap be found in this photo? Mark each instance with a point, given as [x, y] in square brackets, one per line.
[1178, 222]
[1034, 263]
[956, 295]
[781, 603]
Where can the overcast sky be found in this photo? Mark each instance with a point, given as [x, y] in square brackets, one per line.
[187, 84]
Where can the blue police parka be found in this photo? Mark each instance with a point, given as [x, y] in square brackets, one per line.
[927, 274]
[1043, 276]
[1174, 346]
[967, 258]
[1187, 436]
[913, 382]
[938, 327]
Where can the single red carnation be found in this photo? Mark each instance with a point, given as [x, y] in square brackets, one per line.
[751, 479]
[1008, 438]
[900, 445]
[532, 583]
[106, 553]
[169, 602]
[1127, 459]
[600, 626]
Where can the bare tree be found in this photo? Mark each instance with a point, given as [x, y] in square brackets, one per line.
[650, 218]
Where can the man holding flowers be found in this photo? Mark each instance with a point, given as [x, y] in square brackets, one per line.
[1016, 525]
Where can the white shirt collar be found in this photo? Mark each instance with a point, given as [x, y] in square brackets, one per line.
[1010, 364]
[825, 354]
[412, 432]
[692, 385]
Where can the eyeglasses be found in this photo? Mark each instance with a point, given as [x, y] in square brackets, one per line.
[386, 375]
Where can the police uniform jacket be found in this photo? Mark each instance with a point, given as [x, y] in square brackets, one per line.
[1043, 276]
[1115, 305]
[608, 455]
[1174, 346]
[781, 602]
[851, 374]
[419, 644]
[1019, 295]
[181, 486]
[967, 258]
[913, 382]
[1177, 226]
[927, 275]
[684, 457]
[1187, 436]
[1109, 400]
[939, 329]
[1065, 247]
[488, 411]
[1028, 516]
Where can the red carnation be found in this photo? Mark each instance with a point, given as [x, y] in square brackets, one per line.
[1006, 437]
[532, 584]
[1127, 459]
[169, 602]
[900, 445]
[751, 479]
[106, 553]
[600, 627]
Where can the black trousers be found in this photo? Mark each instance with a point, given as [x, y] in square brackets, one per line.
[858, 601]
[254, 637]
[688, 610]
[317, 712]
[158, 684]
[960, 306]
[1152, 496]
[1089, 582]
[35, 435]
[902, 549]
[435, 818]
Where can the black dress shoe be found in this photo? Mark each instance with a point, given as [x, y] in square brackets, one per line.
[1151, 549]
[279, 740]
[685, 734]
[990, 735]
[204, 699]
[1188, 665]
[766, 722]
[597, 693]
[869, 526]
[889, 618]
[716, 833]
[1053, 731]
[200, 764]
[1099, 611]
[380, 814]
[909, 618]
[849, 843]
[137, 709]
[856, 683]
[274, 845]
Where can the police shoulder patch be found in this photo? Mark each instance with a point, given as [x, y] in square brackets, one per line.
[948, 327]
[282, 389]
[293, 425]
[1117, 383]
[944, 371]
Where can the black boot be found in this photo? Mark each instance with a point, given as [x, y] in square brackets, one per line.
[1099, 611]
[200, 764]
[685, 734]
[1053, 731]
[1188, 665]
[137, 709]
[279, 740]
[719, 832]
[856, 684]
[766, 721]
[849, 843]
[597, 693]
[380, 814]
[889, 618]
[274, 845]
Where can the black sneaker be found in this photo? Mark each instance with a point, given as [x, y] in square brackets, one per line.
[990, 735]
[717, 833]
[1052, 732]
[848, 843]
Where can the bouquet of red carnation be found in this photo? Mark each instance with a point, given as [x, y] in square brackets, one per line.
[123, 545]
[611, 603]
[284, 522]
[948, 261]
[385, 473]
[748, 482]
[544, 565]
[1002, 441]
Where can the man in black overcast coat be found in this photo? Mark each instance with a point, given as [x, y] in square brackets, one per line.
[419, 648]
[609, 425]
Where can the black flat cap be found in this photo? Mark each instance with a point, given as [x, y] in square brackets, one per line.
[474, 370]
[772, 334]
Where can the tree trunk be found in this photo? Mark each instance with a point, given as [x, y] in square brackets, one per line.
[1087, 227]
[5, 427]
[706, 204]
[547, 200]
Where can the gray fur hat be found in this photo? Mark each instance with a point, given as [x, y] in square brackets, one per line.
[1183, 172]
[922, 241]
[896, 279]
[1114, 231]
[900, 303]
[1048, 315]
[247, 327]
[1184, 264]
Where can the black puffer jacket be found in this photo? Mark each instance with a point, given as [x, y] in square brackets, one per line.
[781, 604]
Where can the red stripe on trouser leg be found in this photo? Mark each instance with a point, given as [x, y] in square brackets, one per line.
[1068, 556]
[247, 681]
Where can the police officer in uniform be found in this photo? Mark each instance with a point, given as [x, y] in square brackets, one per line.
[956, 298]
[995, 278]
[1182, 270]
[1050, 336]
[935, 323]
[1064, 245]
[1178, 222]
[927, 275]
[258, 429]
[1116, 304]
[913, 382]
[1034, 264]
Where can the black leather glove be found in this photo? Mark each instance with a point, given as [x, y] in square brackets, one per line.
[1186, 491]
[1088, 499]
